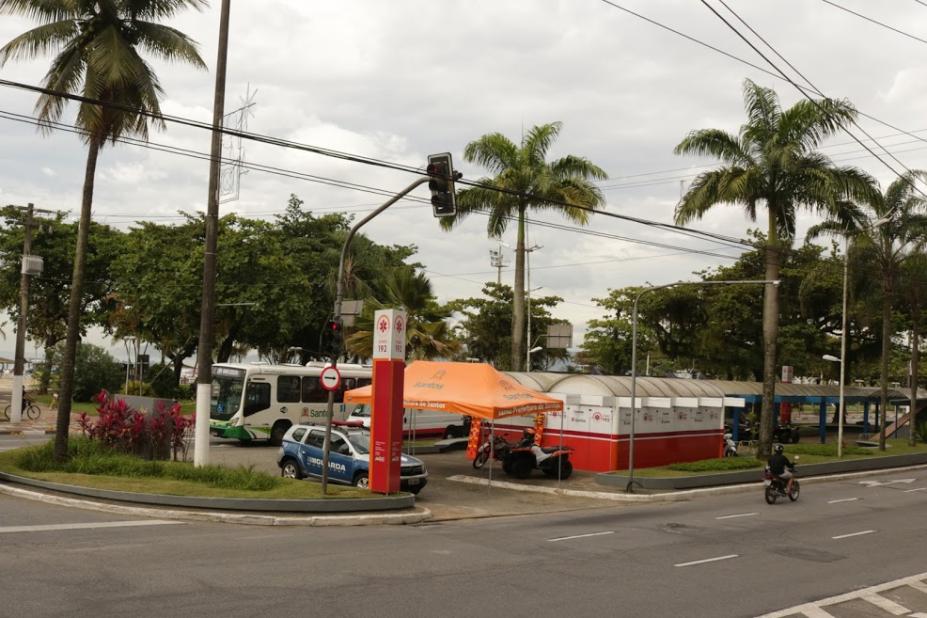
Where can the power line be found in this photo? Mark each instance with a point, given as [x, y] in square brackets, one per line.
[875, 21]
[743, 61]
[811, 99]
[362, 159]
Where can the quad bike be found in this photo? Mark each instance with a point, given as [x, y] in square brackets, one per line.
[552, 461]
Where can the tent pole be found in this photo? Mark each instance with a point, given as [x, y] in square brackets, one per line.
[492, 448]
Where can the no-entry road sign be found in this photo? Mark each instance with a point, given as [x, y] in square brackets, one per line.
[330, 378]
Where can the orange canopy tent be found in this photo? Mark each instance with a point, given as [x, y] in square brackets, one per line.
[476, 389]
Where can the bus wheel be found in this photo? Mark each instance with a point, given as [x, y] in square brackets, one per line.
[277, 432]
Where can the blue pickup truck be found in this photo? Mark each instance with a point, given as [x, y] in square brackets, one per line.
[300, 456]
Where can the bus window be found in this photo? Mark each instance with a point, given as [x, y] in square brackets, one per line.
[313, 391]
[288, 389]
[257, 397]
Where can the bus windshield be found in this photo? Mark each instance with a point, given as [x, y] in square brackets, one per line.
[227, 387]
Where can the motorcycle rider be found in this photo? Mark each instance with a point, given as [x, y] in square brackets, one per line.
[527, 438]
[781, 467]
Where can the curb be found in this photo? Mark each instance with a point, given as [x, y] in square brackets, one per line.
[17, 431]
[309, 505]
[420, 514]
[739, 477]
[672, 496]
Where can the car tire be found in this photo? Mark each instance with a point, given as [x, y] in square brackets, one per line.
[290, 469]
[278, 431]
[362, 480]
[416, 489]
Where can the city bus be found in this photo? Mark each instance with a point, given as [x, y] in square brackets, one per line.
[255, 401]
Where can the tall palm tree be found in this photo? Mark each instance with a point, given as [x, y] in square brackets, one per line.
[893, 227]
[773, 162]
[98, 44]
[524, 180]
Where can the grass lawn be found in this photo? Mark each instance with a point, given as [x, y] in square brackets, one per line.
[808, 453]
[135, 479]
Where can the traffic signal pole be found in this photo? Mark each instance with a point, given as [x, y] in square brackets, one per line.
[339, 299]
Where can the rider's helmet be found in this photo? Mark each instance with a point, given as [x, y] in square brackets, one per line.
[529, 432]
[778, 449]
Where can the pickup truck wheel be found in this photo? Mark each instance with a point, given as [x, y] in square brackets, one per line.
[290, 470]
[362, 480]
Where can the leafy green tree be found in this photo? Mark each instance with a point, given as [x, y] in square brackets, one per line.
[773, 162]
[94, 370]
[53, 239]
[485, 326]
[523, 180]
[99, 43]
[913, 283]
[893, 226]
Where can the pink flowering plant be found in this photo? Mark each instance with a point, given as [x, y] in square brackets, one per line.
[156, 435]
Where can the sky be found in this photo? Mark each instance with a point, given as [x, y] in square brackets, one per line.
[398, 80]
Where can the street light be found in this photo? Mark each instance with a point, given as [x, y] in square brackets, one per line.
[833, 359]
[630, 486]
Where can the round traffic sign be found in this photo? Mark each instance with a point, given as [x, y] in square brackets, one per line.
[330, 378]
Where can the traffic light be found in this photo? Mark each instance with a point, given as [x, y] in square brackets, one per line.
[441, 169]
[332, 336]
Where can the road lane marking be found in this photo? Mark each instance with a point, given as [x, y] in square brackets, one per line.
[918, 586]
[842, 500]
[846, 536]
[580, 536]
[907, 491]
[888, 605]
[736, 515]
[104, 524]
[871, 484]
[694, 562]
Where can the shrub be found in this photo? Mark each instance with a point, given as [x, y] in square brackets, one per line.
[159, 434]
[86, 456]
[723, 464]
[161, 381]
[95, 370]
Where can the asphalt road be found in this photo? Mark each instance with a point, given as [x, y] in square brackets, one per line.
[729, 555]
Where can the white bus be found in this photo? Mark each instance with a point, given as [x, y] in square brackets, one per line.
[260, 402]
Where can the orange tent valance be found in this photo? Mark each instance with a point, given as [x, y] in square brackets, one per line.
[476, 389]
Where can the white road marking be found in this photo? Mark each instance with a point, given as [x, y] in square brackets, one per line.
[842, 500]
[888, 605]
[907, 491]
[736, 515]
[694, 562]
[918, 586]
[817, 608]
[846, 536]
[104, 524]
[580, 536]
[883, 483]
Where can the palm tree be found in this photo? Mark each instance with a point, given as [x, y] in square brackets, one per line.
[98, 44]
[894, 228]
[914, 284]
[427, 333]
[772, 162]
[524, 180]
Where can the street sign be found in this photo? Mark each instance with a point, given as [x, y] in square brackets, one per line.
[330, 378]
[389, 334]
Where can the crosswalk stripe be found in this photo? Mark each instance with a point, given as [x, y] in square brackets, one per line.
[888, 605]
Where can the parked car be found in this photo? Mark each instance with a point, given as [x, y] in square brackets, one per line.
[300, 456]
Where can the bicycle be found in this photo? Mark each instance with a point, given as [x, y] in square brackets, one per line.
[30, 410]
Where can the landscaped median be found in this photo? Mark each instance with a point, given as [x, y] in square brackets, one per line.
[97, 471]
[815, 460]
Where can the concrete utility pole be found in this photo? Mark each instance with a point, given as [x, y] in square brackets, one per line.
[16, 398]
[207, 310]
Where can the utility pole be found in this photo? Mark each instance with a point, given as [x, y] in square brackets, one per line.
[207, 309]
[16, 398]
[497, 260]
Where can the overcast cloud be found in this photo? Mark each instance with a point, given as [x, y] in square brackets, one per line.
[398, 80]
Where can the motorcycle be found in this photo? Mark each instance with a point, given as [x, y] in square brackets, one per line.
[775, 487]
[730, 447]
[500, 449]
[786, 434]
[552, 461]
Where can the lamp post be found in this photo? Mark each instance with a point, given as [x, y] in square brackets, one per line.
[630, 486]
[843, 340]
